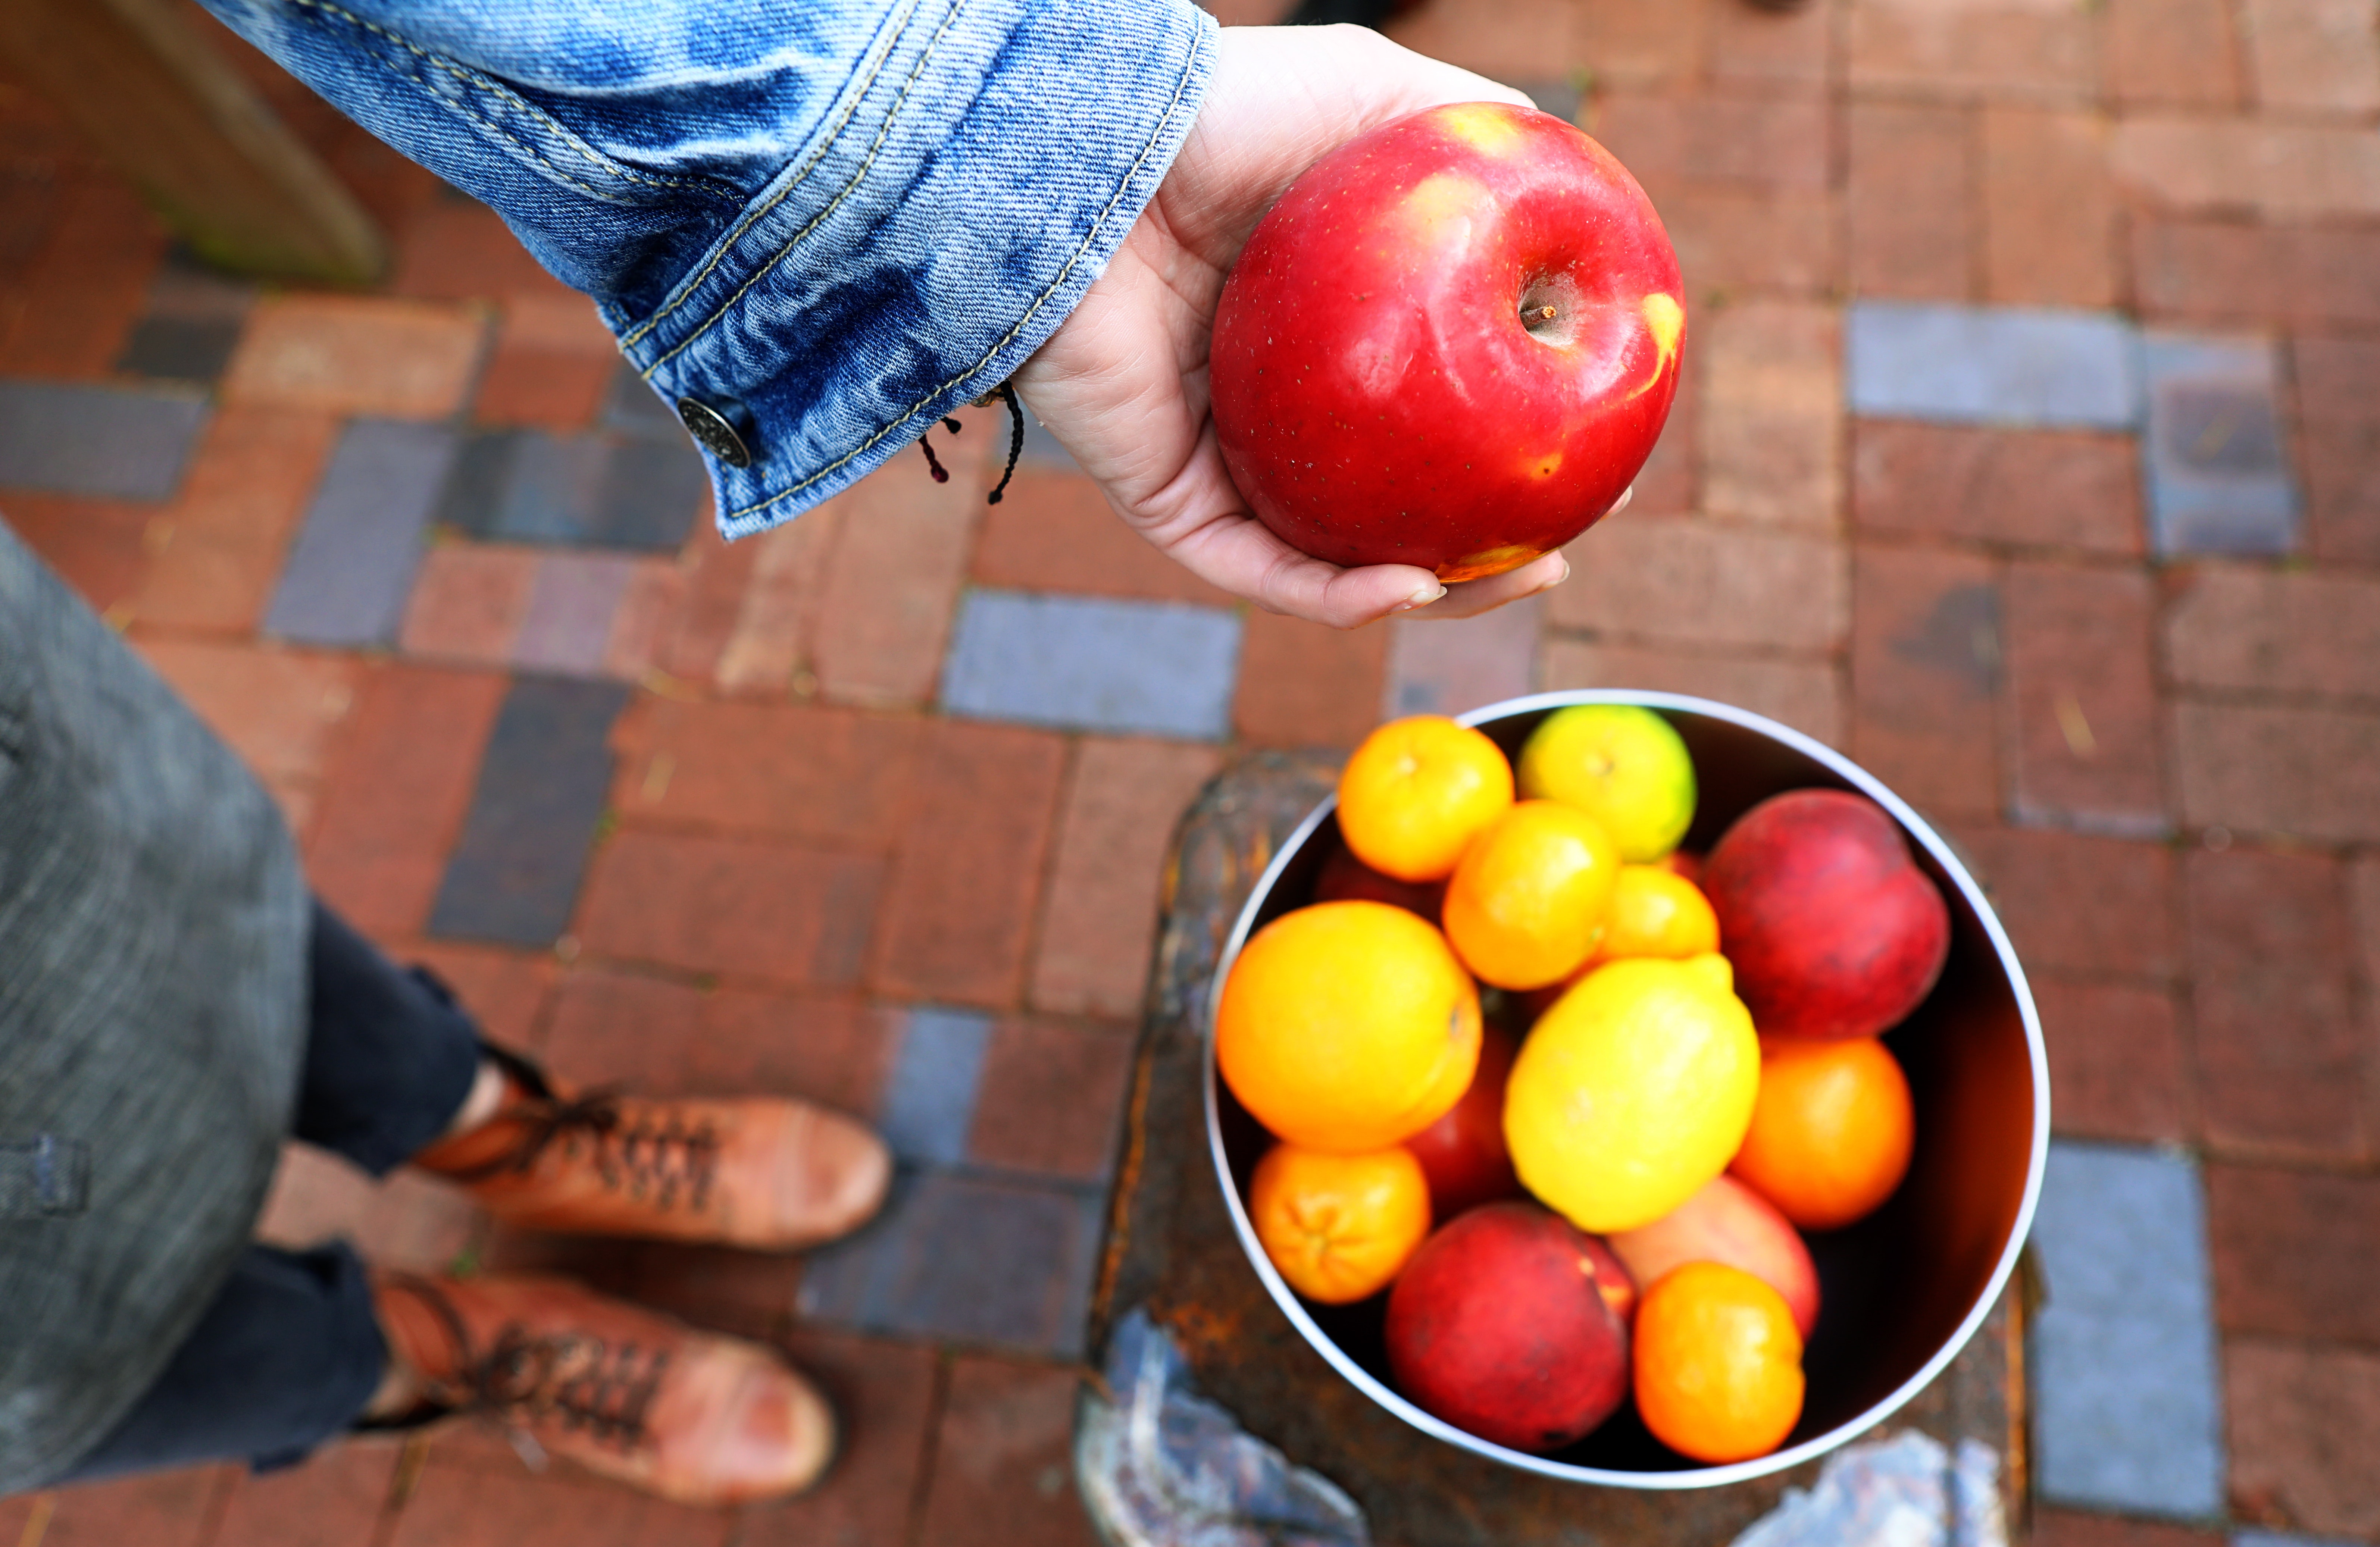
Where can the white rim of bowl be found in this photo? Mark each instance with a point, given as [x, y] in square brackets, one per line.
[1691, 1476]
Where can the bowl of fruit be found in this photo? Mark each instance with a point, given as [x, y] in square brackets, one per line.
[1625, 1088]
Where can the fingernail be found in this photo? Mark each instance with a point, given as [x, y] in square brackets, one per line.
[1559, 578]
[1422, 597]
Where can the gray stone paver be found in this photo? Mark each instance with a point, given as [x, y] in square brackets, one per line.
[352, 567]
[1992, 364]
[103, 442]
[1087, 663]
[930, 1104]
[2215, 467]
[2127, 1404]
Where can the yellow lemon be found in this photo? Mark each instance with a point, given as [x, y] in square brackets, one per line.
[1633, 1091]
[1622, 765]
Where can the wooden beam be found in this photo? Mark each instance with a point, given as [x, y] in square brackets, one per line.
[152, 96]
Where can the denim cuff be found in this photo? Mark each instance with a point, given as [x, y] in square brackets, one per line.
[966, 187]
[828, 222]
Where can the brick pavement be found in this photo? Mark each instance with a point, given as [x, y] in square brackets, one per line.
[2029, 449]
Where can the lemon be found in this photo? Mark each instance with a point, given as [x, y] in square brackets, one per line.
[1622, 765]
[1634, 1090]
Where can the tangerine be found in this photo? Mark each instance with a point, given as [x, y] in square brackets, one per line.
[1416, 793]
[1717, 1363]
[1347, 1026]
[1339, 1227]
[1657, 911]
[1831, 1131]
[1526, 905]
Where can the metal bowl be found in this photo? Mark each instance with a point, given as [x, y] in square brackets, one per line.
[1902, 1289]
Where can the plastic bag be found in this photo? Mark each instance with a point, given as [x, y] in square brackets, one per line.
[1162, 1467]
[1904, 1491]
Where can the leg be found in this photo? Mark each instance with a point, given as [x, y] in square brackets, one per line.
[395, 1071]
[391, 1062]
[300, 1348]
[286, 1358]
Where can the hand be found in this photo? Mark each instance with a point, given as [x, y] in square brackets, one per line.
[1122, 383]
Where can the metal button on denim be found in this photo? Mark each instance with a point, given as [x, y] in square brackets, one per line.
[718, 437]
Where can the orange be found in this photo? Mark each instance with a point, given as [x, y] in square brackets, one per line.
[1417, 791]
[1526, 904]
[1657, 911]
[1717, 1363]
[1832, 1130]
[1347, 1026]
[1338, 1226]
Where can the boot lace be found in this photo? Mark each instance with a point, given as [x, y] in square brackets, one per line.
[652, 1154]
[575, 1379]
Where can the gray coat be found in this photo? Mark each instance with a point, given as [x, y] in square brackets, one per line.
[152, 934]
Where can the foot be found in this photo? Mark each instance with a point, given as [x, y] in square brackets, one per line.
[767, 1173]
[624, 1392]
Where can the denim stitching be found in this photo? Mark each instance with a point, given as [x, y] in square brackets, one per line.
[719, 255]
[884, 131]
[1180, 86]
[498, 88]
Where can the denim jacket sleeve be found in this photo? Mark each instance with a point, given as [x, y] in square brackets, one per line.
[828, 221]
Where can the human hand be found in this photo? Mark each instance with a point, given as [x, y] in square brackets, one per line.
[1122, 383]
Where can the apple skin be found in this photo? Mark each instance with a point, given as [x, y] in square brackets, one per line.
[1832, 929]
[1377, 396]
[1499, 1326]
[1463, 1154]
[1726, 1222]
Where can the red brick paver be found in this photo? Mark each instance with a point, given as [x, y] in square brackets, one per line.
[215, 552]
[172, 1509]
[2068, 1527]
[1099, 917]
[1002, 1473]
[400, 781]
[2304, 1419]
[730, 905]
[352, 355]
[2167, 773]
[1053, 1097]
[337, 1502]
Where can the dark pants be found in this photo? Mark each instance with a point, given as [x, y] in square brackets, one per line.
[290, 1352]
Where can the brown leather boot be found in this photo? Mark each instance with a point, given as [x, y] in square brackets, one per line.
[769, 1173]
[624, 1392]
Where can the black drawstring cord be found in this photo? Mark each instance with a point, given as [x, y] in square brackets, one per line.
[941, 474]
[1015, 441]
[1007, 394]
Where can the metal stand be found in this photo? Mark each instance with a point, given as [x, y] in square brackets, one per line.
[1171, 1251]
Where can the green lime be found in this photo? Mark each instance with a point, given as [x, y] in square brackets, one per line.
[1622, 765]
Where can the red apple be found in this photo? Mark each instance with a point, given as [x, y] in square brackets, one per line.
[1451, 344]
[1463, 1154]
[1499, 1326]
[1726, 1222]
[1344, 877]
[1832, 929]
